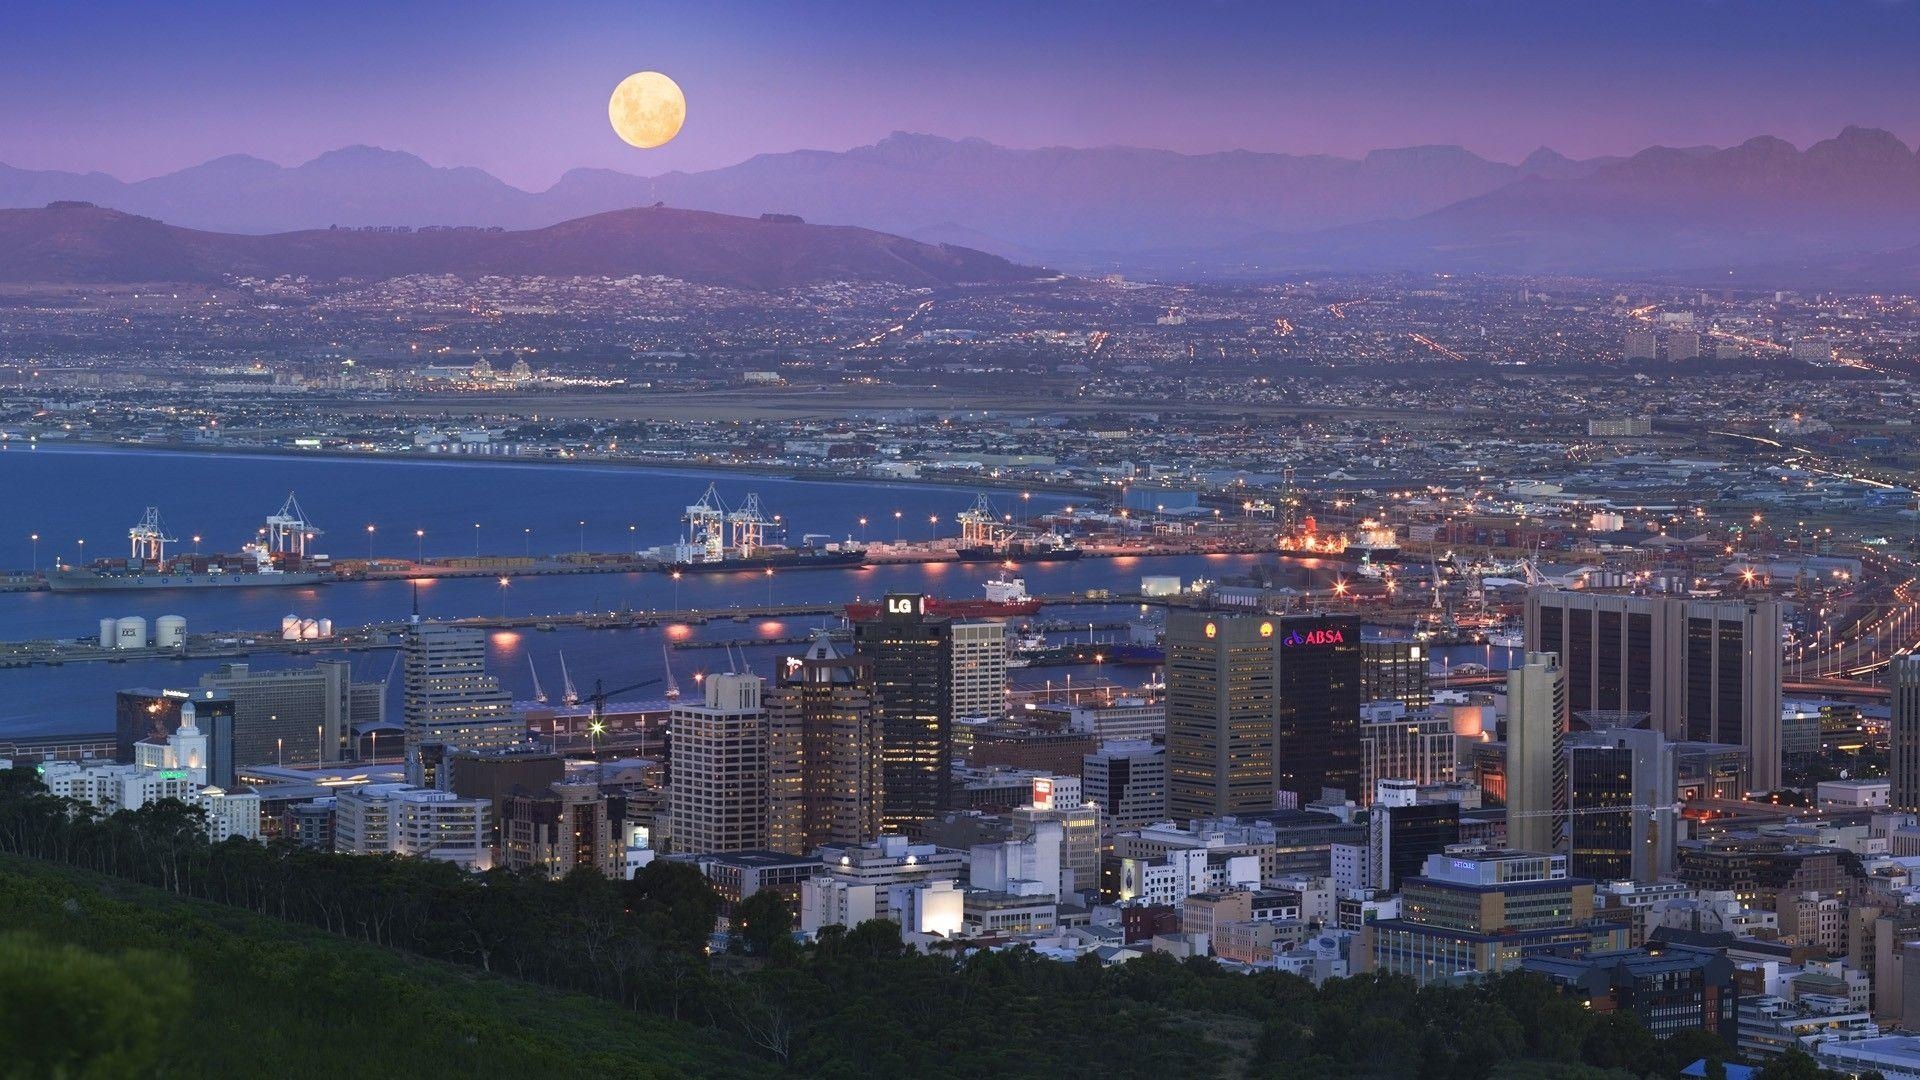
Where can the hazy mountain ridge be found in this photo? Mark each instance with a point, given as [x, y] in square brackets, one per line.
[74, 243]
[1662, 210]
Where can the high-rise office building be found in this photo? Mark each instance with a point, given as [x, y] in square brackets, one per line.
[448, 696]
[912, 655]
[1318, 744]
[1621, 791]
[1402, 831]
[1642, 345]
[1223, 676]
[1394, 671]
[1396, 744]
[978, 683]
[1704, 670]
[823, 750]
[717, 791]
[1536, 754]
[1903, 772]
[1127, 780]
[1683, 345]
[297, 716]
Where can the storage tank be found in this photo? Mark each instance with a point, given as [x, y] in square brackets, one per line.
[108, 633]
[309, 630]
[326, 628]
[290, 628]
[130, 633]
[170, 631]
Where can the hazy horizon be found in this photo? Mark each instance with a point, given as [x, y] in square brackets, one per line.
[521, 94]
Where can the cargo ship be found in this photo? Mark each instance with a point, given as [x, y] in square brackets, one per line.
[1005, 598]
[723, 541]
[985, 537]
[278, 558]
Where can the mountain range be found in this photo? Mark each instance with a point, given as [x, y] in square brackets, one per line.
[78, 242]
[1693, 211]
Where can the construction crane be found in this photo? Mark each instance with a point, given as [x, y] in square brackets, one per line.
[596, 722]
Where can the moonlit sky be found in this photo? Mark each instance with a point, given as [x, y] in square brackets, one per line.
[138, 89]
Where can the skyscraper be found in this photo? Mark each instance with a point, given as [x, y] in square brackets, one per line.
[1904, 734]
[978, 683]
[1395, 671]
[912, 655]
[1703, 670]
[717, 794]
[823, 750]
[448, 696]
[1318, 744]
[1222, 679]
[1536, 755]
[1621, 782]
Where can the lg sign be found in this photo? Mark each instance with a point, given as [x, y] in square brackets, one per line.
[1328, 636]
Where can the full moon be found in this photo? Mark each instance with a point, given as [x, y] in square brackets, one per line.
[647, 109]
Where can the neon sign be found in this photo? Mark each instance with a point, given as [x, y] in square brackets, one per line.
[1323, 636]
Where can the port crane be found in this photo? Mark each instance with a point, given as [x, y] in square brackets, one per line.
[148, 539]
[289, 530]
[749, 525]
[978, 526]
[707, 524]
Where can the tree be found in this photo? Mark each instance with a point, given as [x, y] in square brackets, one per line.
[65, 1011]
[1795, 1064]
[674, 902]
[762, 919]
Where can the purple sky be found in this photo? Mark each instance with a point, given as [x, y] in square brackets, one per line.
[137, 89]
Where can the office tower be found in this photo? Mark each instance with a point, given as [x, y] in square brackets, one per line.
[912, 655]
[1621, 787]
[1396, 744]
[1127, 780]
[1903, 772]
[1394, 671]
[1222, 675]
[143, 713]
[1683, 345]
[560, 829]
[1703, 670]
[823, 750]
[1536, 754]
[297, 716]
[1402, 831]
[448, 696]
[978, 683]
[717, 793]
[1642, 345]
[1318, 743]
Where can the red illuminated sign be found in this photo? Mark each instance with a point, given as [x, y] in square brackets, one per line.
[1326, 636]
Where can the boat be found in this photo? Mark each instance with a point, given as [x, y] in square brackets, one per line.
[279, 557]
[723, 541]
[1006, 597]
[673, 685]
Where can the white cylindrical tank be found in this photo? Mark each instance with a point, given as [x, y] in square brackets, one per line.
[170, 631]
[326, 628]
[309, 630]
[109, 633]
[290, 628]
[130, 633]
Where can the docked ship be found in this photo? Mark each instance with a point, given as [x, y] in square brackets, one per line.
[723, 541]
[1006, 597]
[987, 538]
[278, 557]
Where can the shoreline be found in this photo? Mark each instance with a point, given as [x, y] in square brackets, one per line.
[699, 469]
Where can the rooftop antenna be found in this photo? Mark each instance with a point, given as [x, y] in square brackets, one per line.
[416, 603]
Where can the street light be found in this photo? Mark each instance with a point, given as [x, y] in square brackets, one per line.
[896, 526]
[527, 533]
[420, 545]
[583, 537]
[504, 582]
[769, 586]
[476, 538]
[35, 537]
[369, 541]
[676, 590]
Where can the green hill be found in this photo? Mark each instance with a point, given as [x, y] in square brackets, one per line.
[101, 978]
